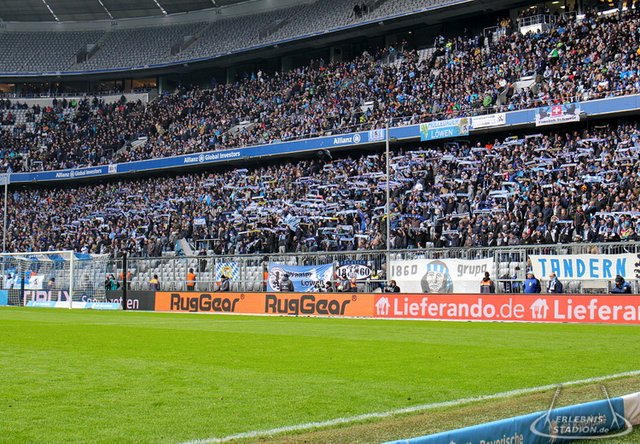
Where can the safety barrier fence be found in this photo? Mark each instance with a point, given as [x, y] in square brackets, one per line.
[507, 267]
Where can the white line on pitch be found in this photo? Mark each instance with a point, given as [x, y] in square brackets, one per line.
[413, 409]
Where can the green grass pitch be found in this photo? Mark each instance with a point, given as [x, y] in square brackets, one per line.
[90, 376]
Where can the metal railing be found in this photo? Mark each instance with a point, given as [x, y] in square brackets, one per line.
[509, 266]
[538, 19]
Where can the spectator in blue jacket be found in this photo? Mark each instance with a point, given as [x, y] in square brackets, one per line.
[621, 286]
[532, 284]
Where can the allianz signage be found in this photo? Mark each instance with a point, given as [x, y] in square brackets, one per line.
[345, 140]
[428, 131]
[208, 157]
[70, 174]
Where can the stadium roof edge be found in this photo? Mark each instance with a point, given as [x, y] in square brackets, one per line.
[459, 8]
[80, 21]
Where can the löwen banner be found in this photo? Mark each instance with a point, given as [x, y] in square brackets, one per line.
[605, 309]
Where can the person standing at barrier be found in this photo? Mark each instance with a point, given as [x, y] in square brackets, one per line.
[344, 285]
[111, 283]
[621, 286]
[129, 278]
[329, 287]
[487, 285]
[154, 283]
[286, 284]
[353, 285]
[225, 285]
[392, 287]
[265, 275]
[554, 285]
[532, 284]
[191, 280]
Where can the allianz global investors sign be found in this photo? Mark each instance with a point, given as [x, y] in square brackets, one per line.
[210, 157]
[525, 308]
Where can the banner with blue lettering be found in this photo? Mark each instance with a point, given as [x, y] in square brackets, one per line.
[303, 278]
[611, 417]
[444, 128]
[585, 266]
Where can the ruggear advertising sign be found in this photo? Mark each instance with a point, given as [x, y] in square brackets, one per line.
[303, 304]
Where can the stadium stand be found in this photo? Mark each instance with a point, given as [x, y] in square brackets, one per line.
[458, 77]
[138, 46]
[322, 99]
[127, 48]
[559, 187]
[24, 52]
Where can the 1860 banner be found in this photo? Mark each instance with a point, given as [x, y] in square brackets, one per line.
[440, 275]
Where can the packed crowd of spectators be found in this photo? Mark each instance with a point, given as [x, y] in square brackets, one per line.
[576, 60]
[562, 187]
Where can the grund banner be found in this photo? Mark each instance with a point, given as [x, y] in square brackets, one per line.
[440, 275]
[586, 266]
[303, 304]
[523, 308]
[304, 278]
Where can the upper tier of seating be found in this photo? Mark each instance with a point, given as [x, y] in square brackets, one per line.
[122, 48]
[460, 76]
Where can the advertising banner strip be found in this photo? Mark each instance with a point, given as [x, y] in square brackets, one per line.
[585, 266]
[74, 304]
[143, 300]
[220, 156]
[566, 424]
[601, 309]
[47, 304]
[445, 129]
[302, 304]
[509, 307]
